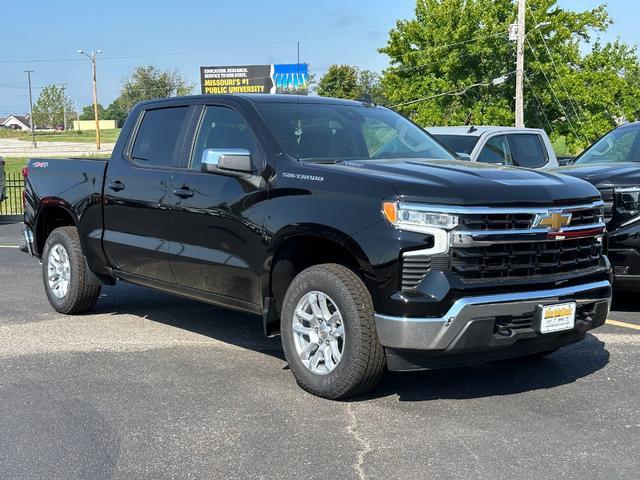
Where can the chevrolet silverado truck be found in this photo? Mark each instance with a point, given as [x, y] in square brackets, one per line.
[355, 235]
[612, 165]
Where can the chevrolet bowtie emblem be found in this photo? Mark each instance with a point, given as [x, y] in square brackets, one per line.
[554, 221]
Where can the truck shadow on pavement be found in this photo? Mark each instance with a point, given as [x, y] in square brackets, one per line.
[625, 302]
[225, 325]
[506, 377]
[243, 330]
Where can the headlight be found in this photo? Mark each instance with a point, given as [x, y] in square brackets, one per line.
[628, 199]
[627, 205]
[416, 218]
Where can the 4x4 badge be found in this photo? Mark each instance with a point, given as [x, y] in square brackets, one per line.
[554, 221]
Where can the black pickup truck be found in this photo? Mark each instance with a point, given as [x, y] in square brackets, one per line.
[354, 234]
[612, 165]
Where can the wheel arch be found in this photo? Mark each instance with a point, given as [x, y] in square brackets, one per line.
[53, 213]
[295, 249]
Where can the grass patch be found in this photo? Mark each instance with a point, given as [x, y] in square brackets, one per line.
[14, 164]
[85, 136]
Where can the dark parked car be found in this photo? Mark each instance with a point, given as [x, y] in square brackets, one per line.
[350, 230]
[612, 164]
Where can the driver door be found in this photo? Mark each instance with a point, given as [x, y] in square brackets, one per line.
[216, 219]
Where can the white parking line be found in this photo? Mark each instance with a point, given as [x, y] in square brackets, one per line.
[9, 246]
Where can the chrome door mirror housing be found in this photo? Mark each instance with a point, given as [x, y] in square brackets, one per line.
[232, 159]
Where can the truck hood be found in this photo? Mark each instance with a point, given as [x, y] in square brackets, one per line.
[466, 183]
[605, 175]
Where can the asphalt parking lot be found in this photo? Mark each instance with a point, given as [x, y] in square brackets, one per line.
[152, 386]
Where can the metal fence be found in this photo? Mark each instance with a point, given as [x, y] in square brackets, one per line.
[12, 204]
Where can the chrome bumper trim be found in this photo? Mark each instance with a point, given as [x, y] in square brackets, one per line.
[474, 238]
[437, 333]
[498, 209]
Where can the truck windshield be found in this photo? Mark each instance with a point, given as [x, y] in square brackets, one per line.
[619, 145]
[332, 133]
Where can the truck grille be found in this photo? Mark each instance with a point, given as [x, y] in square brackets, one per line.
[525, 259]
[497, 221]
[608, 199]
[524, 221]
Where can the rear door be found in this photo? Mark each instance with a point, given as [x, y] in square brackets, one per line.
[138, 193]
[216, 220]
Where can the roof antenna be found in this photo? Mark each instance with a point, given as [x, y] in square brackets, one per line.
[366, 98]
[472, 129]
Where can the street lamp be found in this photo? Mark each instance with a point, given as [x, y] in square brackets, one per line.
[92, 57]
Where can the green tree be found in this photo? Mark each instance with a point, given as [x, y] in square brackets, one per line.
[88, 113]
[147, 82]
[451, 45]
[340, 81]
[347, 81]
[116, 111]
[49, 110]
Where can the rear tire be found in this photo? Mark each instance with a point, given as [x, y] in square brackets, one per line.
[336, 352]
[64, 273]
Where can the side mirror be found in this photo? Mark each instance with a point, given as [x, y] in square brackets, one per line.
[464, 156]
[232, 159]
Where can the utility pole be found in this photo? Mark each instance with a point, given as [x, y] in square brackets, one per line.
[92, 57]
[63, 86]
[33, 133]
[520, 65]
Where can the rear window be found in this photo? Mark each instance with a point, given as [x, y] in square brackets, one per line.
[458, 143]
[527, 150]
[157, 141]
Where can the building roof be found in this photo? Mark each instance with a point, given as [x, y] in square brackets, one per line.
[23, 119]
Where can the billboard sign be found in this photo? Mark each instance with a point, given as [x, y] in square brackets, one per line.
[277, 78]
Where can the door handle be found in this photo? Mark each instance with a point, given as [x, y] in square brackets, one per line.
[116, 186]
[183, 192]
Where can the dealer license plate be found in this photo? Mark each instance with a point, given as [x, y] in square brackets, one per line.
[556, 318]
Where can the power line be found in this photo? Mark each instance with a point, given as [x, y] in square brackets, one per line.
[544, 114]
[457, 93]
[194, 52]
[575, 133]
[463, 42]
[575, 112]
[45, 71]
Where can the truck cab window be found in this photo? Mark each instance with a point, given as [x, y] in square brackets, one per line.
[496, 151]
[157, 142]
[527, 150]
[222, 128]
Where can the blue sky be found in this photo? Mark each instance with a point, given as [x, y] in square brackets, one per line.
[214, 32]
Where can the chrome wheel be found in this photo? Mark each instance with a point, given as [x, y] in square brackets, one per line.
[318, 332]
[58, 271]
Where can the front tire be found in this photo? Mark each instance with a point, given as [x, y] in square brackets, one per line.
[64, 273]
[329, 334]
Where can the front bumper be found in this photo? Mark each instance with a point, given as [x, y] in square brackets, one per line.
[494, 322]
